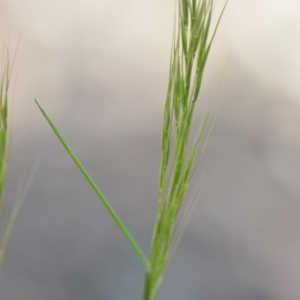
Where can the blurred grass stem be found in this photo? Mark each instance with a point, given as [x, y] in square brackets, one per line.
[5, 79]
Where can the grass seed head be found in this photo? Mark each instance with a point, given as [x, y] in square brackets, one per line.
[190, 50]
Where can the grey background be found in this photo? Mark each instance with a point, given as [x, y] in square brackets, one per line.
[100, 69]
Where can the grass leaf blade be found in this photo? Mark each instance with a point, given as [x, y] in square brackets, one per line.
[93, 185]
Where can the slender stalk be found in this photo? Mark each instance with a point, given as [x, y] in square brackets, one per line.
[190, 51]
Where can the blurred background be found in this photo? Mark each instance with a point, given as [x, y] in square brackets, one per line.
[100, 68]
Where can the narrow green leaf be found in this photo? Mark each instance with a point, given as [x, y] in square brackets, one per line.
[93, 185]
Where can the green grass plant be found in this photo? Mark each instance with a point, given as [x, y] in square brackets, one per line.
[6, 67]
[181, 149]
[5, 79]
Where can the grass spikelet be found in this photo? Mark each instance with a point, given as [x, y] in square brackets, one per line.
[179, 149]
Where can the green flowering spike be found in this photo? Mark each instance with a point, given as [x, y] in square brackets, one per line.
[178, 164]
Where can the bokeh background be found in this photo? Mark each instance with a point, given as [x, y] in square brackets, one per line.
[100, 69]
